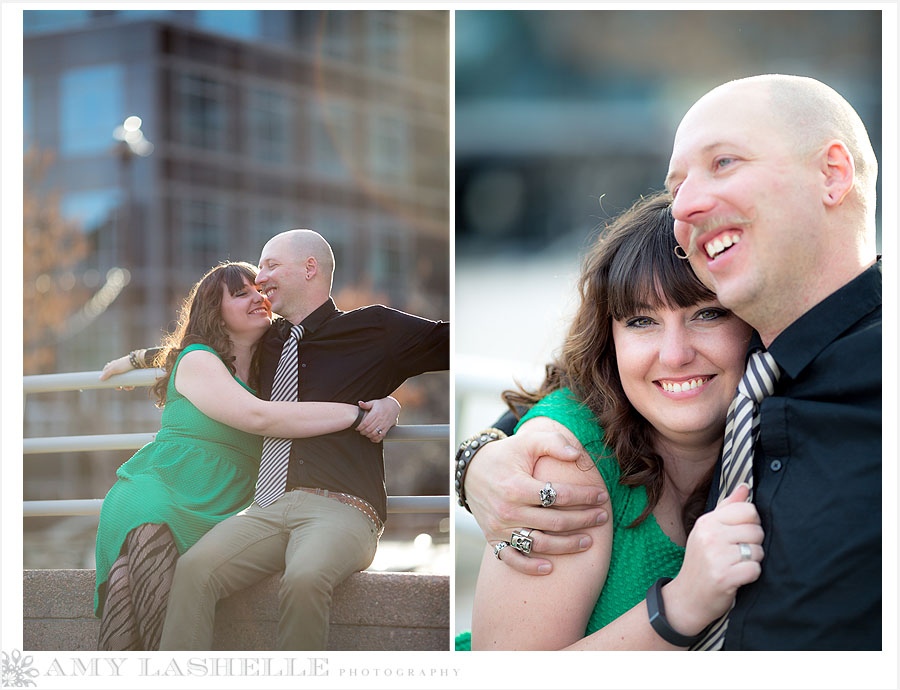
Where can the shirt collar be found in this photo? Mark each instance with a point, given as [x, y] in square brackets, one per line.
[311, 322]
[802, 341]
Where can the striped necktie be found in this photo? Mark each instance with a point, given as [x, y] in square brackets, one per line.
[741, 433]
[273, 466]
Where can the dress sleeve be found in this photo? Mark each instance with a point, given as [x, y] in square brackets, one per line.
[562, 406]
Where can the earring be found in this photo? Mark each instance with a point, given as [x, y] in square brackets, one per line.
[683, 254]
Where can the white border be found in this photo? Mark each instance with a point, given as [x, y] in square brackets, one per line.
[440, 669]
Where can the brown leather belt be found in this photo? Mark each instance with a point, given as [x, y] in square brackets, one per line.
[360, 504]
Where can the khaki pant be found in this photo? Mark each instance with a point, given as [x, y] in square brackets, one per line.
[317, 541]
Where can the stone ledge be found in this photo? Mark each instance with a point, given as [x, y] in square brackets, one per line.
[371, 611]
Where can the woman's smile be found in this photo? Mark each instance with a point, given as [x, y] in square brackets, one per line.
[683, 387]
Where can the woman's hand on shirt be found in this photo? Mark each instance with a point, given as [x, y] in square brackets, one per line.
[503, 495]
[713, 567]
[381, 416]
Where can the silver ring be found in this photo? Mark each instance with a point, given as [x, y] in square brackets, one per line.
[499, 547]
[746, 553]
[548, 495]
[378, 431]
[521, 540]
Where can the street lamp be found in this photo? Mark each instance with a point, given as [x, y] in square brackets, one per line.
[130, 133]
[132, 143]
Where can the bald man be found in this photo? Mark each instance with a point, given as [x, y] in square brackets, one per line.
[773, 179]
[323, 520]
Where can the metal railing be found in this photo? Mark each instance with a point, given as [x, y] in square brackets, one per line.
[88, 380]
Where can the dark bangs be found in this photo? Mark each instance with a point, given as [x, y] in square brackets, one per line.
[233, 276]
[644, 271]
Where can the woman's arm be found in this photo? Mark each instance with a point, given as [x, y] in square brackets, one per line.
[517, 611]
[706, 585]
[203, 379]
[121, 365]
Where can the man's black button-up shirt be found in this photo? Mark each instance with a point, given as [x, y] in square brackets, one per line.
[817, 478]
[347, 357]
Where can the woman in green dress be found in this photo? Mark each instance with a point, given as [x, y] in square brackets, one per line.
[641, 390]
[202, 465]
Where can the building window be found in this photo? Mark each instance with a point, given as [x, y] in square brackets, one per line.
[269, 121]
[202, 234]
[90, 210]
[202, 113]
[333, 140]
[39, 21]
[235, 23]
[390, 256]
[384, 40]
[267, 221]
[90, 109]
[134, 15]
[100, 214]
[337, 39]
[389, 148]
[336, 225]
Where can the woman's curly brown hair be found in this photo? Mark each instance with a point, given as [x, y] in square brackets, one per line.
[631, 266]
[200, 323]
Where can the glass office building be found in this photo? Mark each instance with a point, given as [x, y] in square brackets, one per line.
[177, 139]
[252, 122]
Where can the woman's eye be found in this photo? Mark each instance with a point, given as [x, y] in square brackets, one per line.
[710, 314]
[639, 322]
[723, 162]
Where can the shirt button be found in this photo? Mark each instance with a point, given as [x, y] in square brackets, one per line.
[300, 462]
[775, 465]
[303, 365]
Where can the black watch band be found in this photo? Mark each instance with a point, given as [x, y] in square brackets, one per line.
[657, 612]
[359, 417]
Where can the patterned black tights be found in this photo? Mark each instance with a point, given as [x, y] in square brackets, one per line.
[137, 590]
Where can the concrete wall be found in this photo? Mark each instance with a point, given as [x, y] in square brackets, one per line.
[371, 611]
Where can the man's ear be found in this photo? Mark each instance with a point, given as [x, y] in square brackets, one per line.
[312, 267]
[839, 172]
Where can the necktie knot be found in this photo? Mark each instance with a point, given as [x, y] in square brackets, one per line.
[760, 376]
[296, 332]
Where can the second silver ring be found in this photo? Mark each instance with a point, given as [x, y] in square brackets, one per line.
[548, 495]
[500, 545]
[521, 540]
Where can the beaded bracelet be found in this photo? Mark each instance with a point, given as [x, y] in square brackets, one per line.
[464, 455]
[136, 358]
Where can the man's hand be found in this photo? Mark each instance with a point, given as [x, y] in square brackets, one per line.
[381, 416]
[503, 495]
